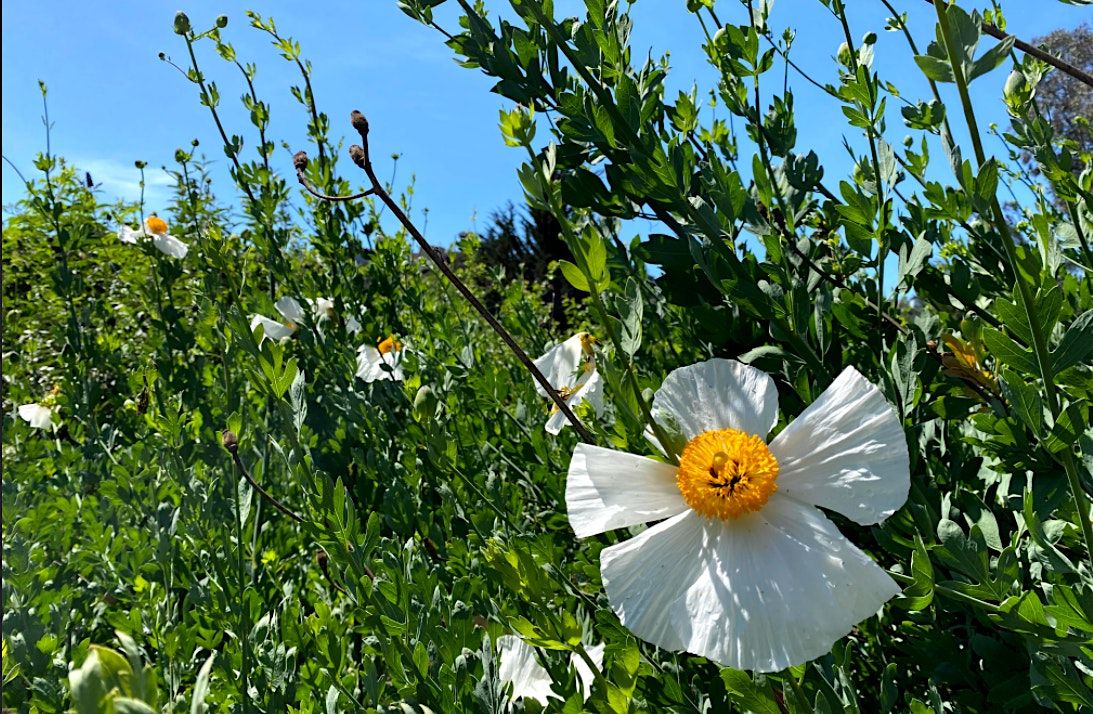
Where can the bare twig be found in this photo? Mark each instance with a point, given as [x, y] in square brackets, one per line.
[361, 157]
[231, 443]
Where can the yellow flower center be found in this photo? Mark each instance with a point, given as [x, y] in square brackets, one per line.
[156, 225]
[587, 341]
[726, 473]
[390, 344]
[564, 393]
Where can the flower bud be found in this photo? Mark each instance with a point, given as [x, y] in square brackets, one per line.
[425, 402]
[359, 123]
[230, 441]
[222, 21]
[356, 152]
[182, 23]
[299, 160]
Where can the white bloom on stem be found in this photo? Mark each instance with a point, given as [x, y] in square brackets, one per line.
[744, 569]
[384, 361]
[530, 679]
[37, 415]
[570, 367]
[290, 310]
[155, 229]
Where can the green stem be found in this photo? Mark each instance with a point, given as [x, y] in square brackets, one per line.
[1039, 342]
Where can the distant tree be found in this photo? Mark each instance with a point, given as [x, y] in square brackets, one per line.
[527, 244]
[1064, 101]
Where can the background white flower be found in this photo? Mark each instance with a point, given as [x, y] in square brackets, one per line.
[570, 367]
[530, 679]
[38, 416]
[155, 229]
[746, 571]
[384, 361]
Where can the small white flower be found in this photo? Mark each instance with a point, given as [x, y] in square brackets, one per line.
[384, 361]
[570, 367]
[155, 229]
[322, 308]
[38, 416]
[352, 325]
[530, 679]
[744, 569]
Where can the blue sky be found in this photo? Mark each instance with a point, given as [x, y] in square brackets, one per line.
[112, 101]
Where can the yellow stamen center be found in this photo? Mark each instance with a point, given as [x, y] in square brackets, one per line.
[156, 225]
[389, 344]
[564, 393]
[587, 341]
[726, 473]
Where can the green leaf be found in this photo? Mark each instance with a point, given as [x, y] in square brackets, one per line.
[1008, 352]
[201, 686]
[919, 594]
[747, 694]
[1025, 400]
[934, 68]
[574, 275]
[631, 318]
[1076, 347]
[991, 59]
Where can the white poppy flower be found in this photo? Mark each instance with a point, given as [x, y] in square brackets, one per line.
[384, 361]
[155, 229]
[570, 367]
[271, 328]
[38, 416]
[530, 679]
[746, 571]
[352, 325]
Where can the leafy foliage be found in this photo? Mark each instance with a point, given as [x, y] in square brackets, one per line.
[402, 527]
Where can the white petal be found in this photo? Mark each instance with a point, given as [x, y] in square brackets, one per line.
[169, 245]
[290, 309]
[763, 592]
[272, 329]
[591, 389]
[555, 422]
[36, 415]
[520, 668]
[717, 394]
[352, 326]
[561, 363]
[608, 489]
[130, 236]
[847, 452]
[585, 676]
[322, 308]
[373, 366]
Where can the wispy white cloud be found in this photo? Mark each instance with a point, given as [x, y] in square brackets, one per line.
[121, 179]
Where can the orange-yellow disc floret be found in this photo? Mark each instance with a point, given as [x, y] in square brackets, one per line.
[726, 473]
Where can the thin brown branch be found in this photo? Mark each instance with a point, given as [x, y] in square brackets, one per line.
[361, 157]
[231, 443]
[326, 197]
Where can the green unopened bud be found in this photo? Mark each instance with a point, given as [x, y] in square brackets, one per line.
[1017, 92]
[222, 21]
[182, 23]
[140, 164]
[843, 55]
[425, 402]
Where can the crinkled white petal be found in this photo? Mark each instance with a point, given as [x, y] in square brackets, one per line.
[717, 394]
[169, 245]
[608, 489]
[561, 363]
[273, 330]
[763, 592]
[372, 365]
[352, 326]
[530, 679]
[847, 452]
[130, 236]
[36, 415]
[290, 309]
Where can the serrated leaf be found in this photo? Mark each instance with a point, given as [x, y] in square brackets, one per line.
[1008, 352]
